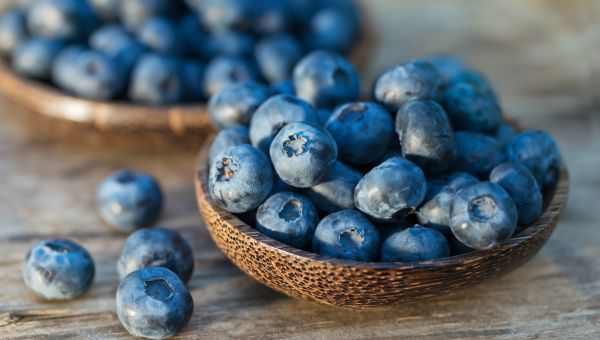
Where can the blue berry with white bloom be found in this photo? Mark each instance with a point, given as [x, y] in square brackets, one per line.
[538, 151]
[413, 244]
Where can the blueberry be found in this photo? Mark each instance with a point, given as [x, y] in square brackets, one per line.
[476, 79]
[60, 19]
[236, 104]
[225, 71]
[414, 80]
[435, 211]
[275, 113]
[302, 154]
[283, 87]
[483, 215]
[129, 200]
[323, 116]
[538, 151]
[33, 58]
[457, 247]
[326, 79]
[273, 17]
[162, 36]
[448, 66]
[426, 136]
[230, 136]
[347, 234]
[332, 29]
[233, 43]
[135, 13]
[476, 153]
[106, 10]
[522, 187]
[470, 106]
[192, 77]
[13, 31]
[277, 55]
[289, 218]
[156, 247]
[336, 191]
[156, 80]
[153, 303]
[240, 178]
[58, 269]
[196, 37]
[392, 189]
[362, 130]
[64, 70]
[119, 45]
[413, 244]
[96, 76]
[505, 134]
[223, 15]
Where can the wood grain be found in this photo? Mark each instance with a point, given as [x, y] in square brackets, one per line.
[543, 56]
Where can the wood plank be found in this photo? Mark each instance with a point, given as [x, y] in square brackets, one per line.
[543, 55]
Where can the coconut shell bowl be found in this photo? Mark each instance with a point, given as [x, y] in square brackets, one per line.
[366, 285]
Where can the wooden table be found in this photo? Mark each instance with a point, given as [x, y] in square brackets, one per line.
[544, 57]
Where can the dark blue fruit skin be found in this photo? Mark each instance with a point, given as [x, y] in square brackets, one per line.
[162, 36]
[505, 134]
[302, 154]
[134, 13]
[153, 303]
[457, 247]
[336, 191]
[414, 80]
[196, 37]
[58, 269]
[118, 44]
[522, 187]
[538, 151]
[230, 136]
[474, 78]
[192, 75]
[277, 55]
[63, 68]
[225, 71]
[435, 211]
[96, 76]
[275, 113]
[476, 153]
[236, 104]
[13, 31]
[224, 15]
[426, 136]
[326, 79]
[391, 190]
[156, 247]
[128, 200]
[362, 130]
[347, 234]
[240, 178]
[448, 66]
[272, 17]
[413, 244]
[483, 215]
[106, 10]
[233, 43]
[156, 80]
[288, 217]
[284, 87]
[60, 19]
[332, 29]
[471, 106]
[33, 58]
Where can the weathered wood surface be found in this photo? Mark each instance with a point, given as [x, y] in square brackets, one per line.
[545, 58]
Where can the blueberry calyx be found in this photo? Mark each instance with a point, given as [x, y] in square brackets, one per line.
[291, 211]
[482, 208]
[158, 289]
[296, 144]
[227, 169]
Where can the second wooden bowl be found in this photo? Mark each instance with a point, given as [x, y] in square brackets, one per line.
[363, 285]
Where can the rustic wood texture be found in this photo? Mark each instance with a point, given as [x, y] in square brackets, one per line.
[367, 285]
[543, 56]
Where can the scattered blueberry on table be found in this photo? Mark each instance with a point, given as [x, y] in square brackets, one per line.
[58, 269]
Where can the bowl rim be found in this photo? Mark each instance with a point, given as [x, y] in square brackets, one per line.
[549, 218]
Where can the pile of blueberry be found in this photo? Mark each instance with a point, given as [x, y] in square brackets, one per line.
[154, 265]
[425, 169]
[159, 52]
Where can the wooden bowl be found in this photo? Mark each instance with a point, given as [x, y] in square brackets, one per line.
[80, 119]
[364, 285]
